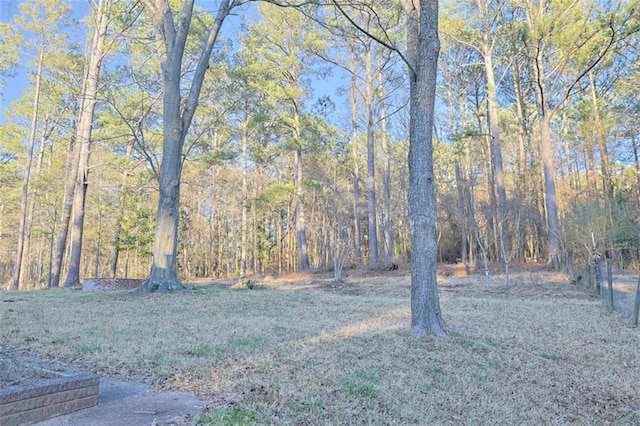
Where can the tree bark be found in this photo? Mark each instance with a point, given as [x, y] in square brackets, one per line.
[244, 226]
[302, 253]
[551, 204]
[371, 168]
[61, 243]
[83, 139]
[546, 144]
[357, 249]
[636, 160]
[171, 41]
[423, 48]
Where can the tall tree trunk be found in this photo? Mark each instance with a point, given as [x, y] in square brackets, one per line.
[462, 214]
[302, 253]
[357, 249]
[492, 215]
[464, 250]
[551, 204]
[24, 225]
[389, 238]
[544, 113]
[524, 143]
[371, 167]
[496, 154]
[567, 149]
[589, 166]
[607, 183]
[301, 249]
[423, 48]
[73, 159]
[83, 138]
[636, 158]
[245, 204]
[36, 275]
[523, 122]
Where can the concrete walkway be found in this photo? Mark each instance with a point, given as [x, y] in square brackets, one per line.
[134, 404]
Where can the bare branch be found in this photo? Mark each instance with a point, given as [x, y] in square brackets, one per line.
[373, 37]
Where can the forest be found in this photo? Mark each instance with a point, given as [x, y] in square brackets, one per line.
[295, 136]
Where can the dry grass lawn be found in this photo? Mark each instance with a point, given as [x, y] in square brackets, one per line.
[299, 350]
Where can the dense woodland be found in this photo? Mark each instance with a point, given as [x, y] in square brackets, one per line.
[296, 157]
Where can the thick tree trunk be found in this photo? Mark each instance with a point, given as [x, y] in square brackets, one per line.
[302, 253]
[164, 269]
[544, 113]
[67, 207]
[551, 204]
[83, 139]
[423, 49]
[171, 41]
[77, 230]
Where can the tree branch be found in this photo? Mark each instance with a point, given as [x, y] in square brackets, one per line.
[373, 37]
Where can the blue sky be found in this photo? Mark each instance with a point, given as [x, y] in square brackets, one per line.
[16, 85]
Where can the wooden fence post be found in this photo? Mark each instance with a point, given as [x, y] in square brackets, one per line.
[610, 280]
[636, 307]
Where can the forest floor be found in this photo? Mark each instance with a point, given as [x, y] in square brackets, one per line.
[302, 349]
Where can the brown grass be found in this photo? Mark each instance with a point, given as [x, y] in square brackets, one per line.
[306, 350]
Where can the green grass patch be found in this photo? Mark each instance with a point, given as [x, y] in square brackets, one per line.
[475, 345]
[435, 371]
[89, 348]
[549, 356]
[362, 383]
[230, 417]
[201, 351]
[250, 342]
[358, 388]
[59, 340]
